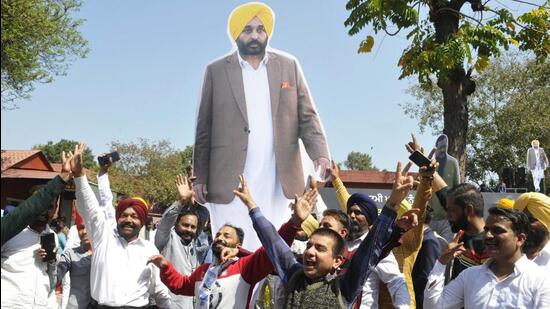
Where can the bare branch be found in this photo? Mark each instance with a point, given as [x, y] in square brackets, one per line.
[530, 3]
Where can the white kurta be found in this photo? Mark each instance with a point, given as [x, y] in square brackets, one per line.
[260, 168]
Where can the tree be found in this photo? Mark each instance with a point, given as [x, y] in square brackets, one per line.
[509, 109]
[359, 161]
[39, 40]
[53, 152]
[148, 169]
[448, 45]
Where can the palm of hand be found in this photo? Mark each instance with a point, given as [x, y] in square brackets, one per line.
[184, 192]
[302, 209]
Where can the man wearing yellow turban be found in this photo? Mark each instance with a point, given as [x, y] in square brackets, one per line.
[254, 107]
[537, 208]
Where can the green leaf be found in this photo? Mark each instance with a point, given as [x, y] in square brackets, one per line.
[481, 63]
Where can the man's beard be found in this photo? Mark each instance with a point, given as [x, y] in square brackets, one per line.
[218, 246]
[190, 236]
[355, 231]
[247, 50]
[534, 240]
[128, 235]
[461, 224]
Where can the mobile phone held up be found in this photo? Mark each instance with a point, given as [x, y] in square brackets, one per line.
[419, 159]
[113, 157]
[47, 241]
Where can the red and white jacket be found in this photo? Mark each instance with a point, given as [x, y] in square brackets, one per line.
[234, 286]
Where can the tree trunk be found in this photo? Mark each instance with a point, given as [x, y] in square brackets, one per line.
[456, 86]
[455, 118]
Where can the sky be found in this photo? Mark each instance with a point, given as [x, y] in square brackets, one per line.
[143, 75]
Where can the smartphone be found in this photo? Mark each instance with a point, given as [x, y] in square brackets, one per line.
[103, 160]
[47, 241]
[419, 159]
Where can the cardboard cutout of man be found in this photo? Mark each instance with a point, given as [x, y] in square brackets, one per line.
[537, 162]
[254, 108]
[448, 169]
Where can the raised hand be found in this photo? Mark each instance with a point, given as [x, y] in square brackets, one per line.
[454, 249]
[104, 169]
[185, 189]
[401, 186]
[243, 194]
[76, 161]
[334, 171]
[66, 165]
[413, 145]
[159, 261]
[302, 207]
[428, 171]
[408, 220]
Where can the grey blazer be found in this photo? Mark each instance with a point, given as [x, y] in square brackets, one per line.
[221, 136]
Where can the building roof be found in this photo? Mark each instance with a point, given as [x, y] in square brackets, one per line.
[29, 174]
[366, 179]
[12, 157]
[26, 164]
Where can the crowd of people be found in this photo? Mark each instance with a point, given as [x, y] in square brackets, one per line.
[355, 255]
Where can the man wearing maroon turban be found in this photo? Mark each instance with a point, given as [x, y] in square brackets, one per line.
[120, 276]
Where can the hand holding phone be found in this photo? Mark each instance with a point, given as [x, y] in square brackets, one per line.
[110, 157]
[419, 159]
[47, 242]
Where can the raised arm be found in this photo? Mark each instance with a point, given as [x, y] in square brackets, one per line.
[18, 219]
[369, 252]
[342, 193]
[169, 217]
[86, 201]
[277, 249]
[105, 193]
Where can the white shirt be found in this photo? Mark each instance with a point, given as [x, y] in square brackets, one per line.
[543, 259]
[388, 272]
[73, 240]
[120, 275]
[26, 281]
[478, 287]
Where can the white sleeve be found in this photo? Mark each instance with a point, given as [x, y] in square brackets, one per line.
[437, 295]
[542, 299]
[158, 290]
[89, 209]
[389, 273]
[106, 197]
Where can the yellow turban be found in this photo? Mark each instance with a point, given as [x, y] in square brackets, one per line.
[506, 203]
[535, 142]
[141, 200]
[538, 205]
[244, 13]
